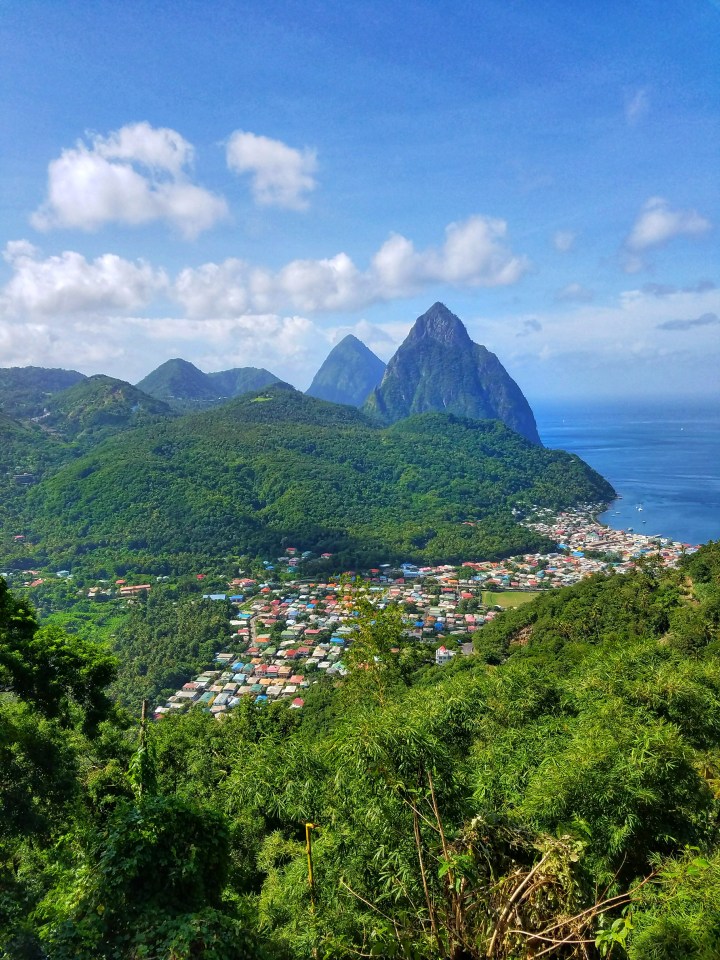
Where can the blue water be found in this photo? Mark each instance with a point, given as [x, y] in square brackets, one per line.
[662, 456]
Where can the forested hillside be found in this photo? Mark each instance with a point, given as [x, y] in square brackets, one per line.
[25, 391]
[555, 795]
[99, 407]
[282, 468]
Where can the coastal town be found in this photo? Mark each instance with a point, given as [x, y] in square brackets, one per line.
[285, 637]
[287, 632]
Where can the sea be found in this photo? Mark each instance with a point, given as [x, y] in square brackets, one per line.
[662, 458]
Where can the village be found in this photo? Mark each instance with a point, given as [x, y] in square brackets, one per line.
[285, 637]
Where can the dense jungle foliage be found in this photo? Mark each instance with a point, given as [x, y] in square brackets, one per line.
[282, 468]
[555, 795]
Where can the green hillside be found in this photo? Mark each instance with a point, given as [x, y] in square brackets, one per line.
[555, 795]
[235, 382]
[282, 468]
[25, 391]
[27, 453]
[100, 406]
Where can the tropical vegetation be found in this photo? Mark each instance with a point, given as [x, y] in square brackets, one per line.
[279, 468]
[556, 794]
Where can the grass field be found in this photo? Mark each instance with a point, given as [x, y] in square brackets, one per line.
[508, 598]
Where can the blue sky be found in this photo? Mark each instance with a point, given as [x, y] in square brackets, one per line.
[243, 184]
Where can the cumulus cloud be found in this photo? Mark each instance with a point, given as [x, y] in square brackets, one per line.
[563, 240]
[71, 284]
[136, 175]
[474, 254]
[658, 223]
[705, 320]
[574, 293]
[281, 175]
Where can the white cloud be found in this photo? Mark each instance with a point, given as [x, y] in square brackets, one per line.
[281, 175]
[613, 348]
[474, 254]
[564, 240]
[136, 175]
[658, 223]
[611, 331]
[70, 284]
[637, 105]
[159, 149]
[99, 350]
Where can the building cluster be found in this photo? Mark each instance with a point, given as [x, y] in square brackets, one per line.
[283, 637]
[286, 637]
[587, 546]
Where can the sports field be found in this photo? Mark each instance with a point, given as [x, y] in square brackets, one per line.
[508, 598]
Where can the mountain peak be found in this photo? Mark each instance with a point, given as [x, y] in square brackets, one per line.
[439, 368]
[439, 323]
[185, 387]
[348, 374]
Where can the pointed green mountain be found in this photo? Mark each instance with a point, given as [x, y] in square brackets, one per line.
[24, 391]
[439, 368]
[180, 384]
[350, 371]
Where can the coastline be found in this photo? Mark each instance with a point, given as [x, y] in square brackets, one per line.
[662, 457]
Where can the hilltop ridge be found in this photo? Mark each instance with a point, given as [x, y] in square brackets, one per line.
[183, 386]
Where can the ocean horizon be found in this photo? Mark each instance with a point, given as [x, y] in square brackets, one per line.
[661, 456]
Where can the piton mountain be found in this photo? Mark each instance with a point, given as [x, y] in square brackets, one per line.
[349, 373]
[439, 368]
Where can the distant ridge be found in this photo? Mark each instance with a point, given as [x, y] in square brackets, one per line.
[350, 371]
[184, 387]
[439, 368]
[24, 391]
